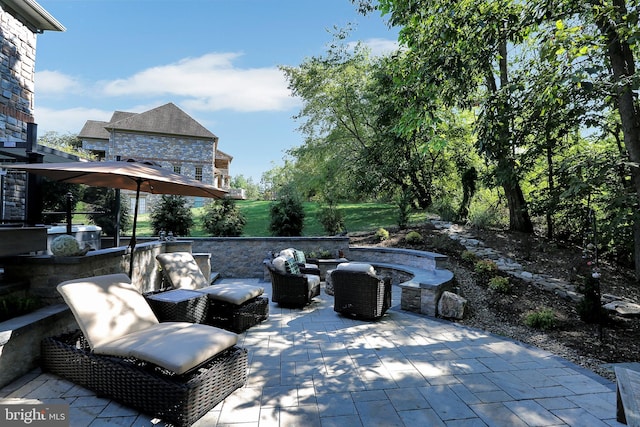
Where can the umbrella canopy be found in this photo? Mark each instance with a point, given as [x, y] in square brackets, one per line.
[125, 175]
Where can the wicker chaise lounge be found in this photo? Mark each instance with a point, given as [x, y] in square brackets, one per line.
[175, 371]
[235, 307]
[359, 292]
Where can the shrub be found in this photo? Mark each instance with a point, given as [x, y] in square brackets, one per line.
[13, 306]
[413, 237]
[485, 266]
[542, 319]
[287, 214]
[500, 284]
[172, 215]
[485, 269]
[222, 218]
[469, 256]
[382, 234]
[331, 220]
[320, 254]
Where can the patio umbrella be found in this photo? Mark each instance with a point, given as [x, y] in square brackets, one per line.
[126, 175]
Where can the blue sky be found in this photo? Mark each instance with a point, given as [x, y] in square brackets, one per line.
[215, 59]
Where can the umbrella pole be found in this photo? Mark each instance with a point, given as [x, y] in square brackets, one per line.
[132, 243]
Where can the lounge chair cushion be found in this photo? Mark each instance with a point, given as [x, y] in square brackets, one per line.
[176, 346]
[357, 266]
[233, 293]
[107, 307]
[182, 270]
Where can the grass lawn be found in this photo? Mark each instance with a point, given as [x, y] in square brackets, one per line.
[357, 217]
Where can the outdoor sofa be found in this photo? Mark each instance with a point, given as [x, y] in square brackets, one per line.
[176, 371]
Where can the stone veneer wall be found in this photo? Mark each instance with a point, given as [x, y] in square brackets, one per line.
[243, 256]
[168, 151]
[17, 70]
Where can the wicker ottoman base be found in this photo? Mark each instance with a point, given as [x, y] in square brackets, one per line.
[237, 318]
[177, 399]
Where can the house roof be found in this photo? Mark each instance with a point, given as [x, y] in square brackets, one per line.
[34, 14]
[94, 129]
[167, 119]
[223, 155]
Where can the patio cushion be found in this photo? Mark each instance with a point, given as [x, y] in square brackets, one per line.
[288, 253]
[357, 266]
[182, 270]
[278, 263]
[291, 266]
[233, 293]
[176, 346]
[107, 307]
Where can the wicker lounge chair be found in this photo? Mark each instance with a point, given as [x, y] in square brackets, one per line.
[235, 307]
[176, 371]
[290, 287]
[359, 292]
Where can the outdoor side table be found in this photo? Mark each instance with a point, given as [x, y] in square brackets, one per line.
[179, 305]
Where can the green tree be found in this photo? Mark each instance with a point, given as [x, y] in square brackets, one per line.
[252, 190]
[357, 140]
[172, 215]
[54, 199]
[287, 213]
[68, 143]
[103, 202]
[223, 218]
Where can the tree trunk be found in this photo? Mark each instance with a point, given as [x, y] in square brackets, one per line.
[519, 219]
[623, 67]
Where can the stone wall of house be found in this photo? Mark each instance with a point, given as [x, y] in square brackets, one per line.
[168, 151]
[17, 70]
[14, 196]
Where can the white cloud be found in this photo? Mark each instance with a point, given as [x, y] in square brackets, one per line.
[54, 82]
[68, 120]
[209, 83]
[378, 46]
[381, 47]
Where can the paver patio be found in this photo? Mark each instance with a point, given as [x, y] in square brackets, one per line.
[313, 367]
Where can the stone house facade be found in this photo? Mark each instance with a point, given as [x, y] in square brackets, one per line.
[165, 135]
[20, 23]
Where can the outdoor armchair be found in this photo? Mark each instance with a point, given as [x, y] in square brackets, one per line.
[176, 371]
[232, 306]
[359, 292]
[300, 258]
[289, 286]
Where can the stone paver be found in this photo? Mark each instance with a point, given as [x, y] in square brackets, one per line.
[312, 367]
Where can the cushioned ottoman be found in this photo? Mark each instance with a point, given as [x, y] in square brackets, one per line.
[236, 307]
[233, 306]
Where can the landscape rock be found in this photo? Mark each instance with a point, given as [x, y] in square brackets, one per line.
[452, 306]
[623, 308]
